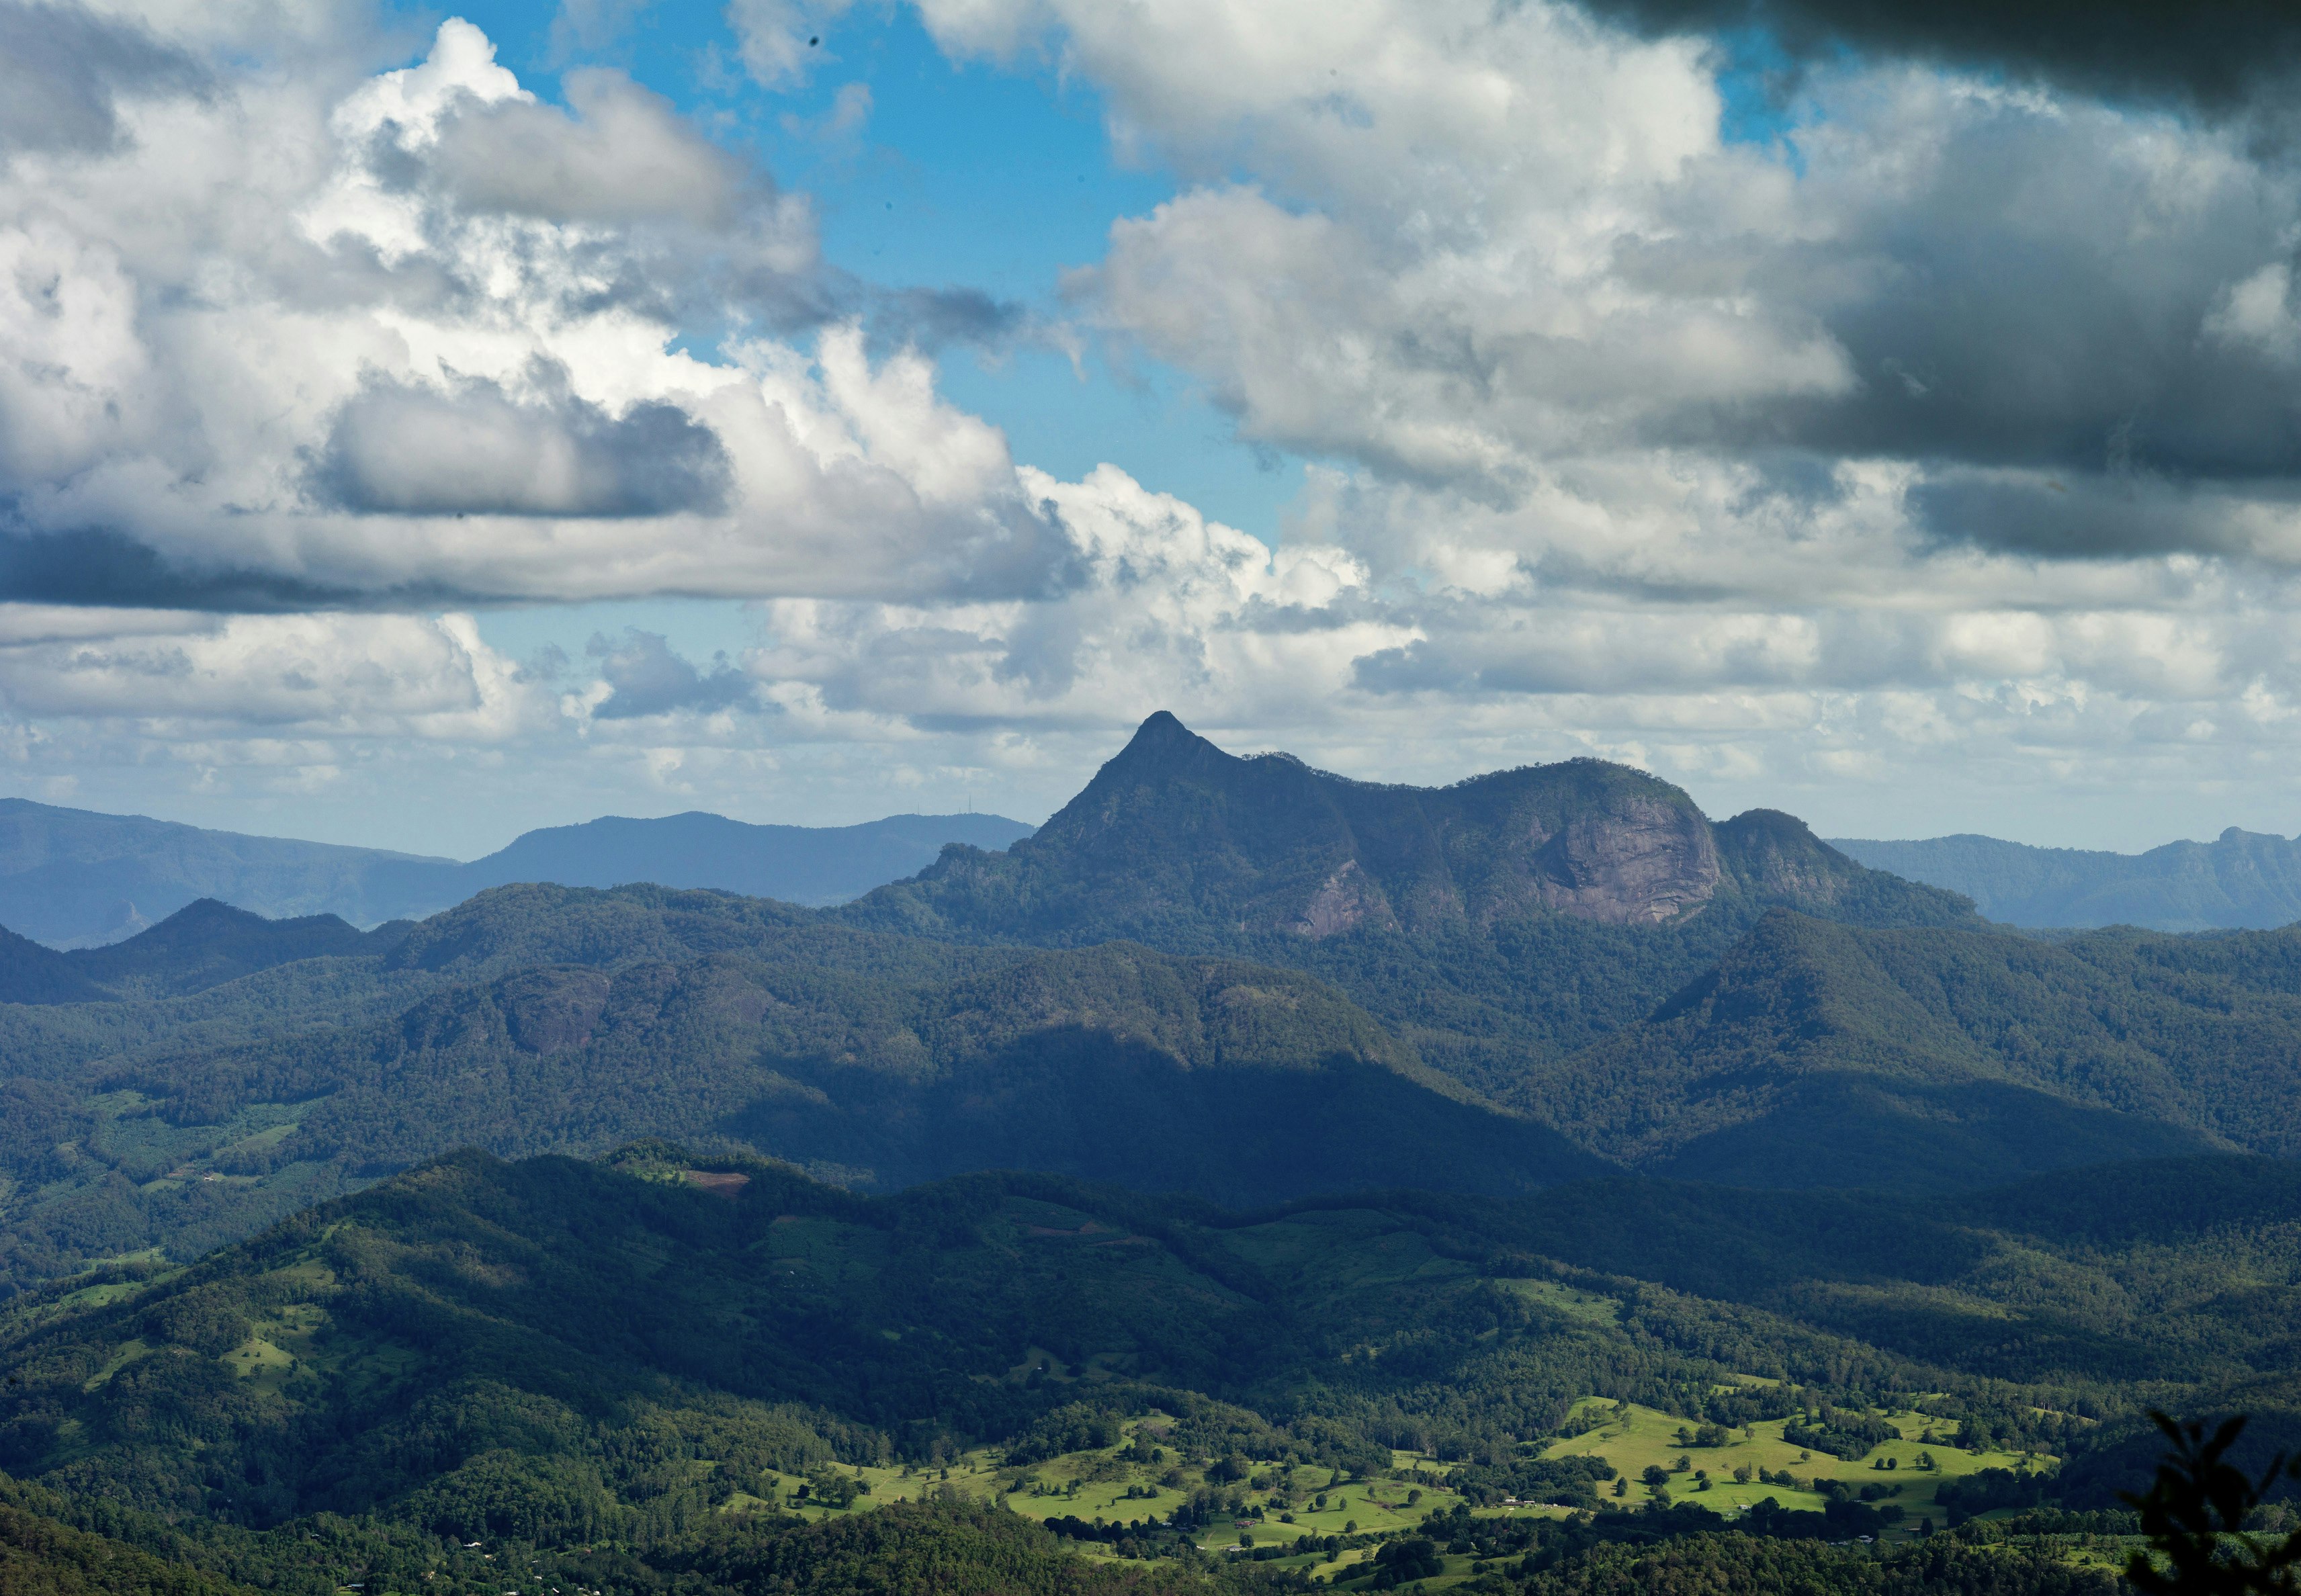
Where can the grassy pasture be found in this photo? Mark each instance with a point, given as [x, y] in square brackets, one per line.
[1641, 1437]
[1095, 1484]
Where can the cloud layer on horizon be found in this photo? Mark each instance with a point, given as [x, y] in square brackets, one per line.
[1951, 433]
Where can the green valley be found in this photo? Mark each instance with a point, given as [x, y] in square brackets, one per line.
[1519, 1187]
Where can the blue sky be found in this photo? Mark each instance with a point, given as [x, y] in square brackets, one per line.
[442, 424]
[964, 176]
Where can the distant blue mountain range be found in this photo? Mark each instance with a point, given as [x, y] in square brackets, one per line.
[2242, 880]
[72, 878]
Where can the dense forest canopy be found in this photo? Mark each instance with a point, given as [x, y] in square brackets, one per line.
[1253, 1179]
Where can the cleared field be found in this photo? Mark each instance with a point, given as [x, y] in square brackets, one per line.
[1095, 1485]
[1633, 1439]
[1281, 1501]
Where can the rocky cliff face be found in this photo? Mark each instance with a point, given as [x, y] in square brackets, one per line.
[1268, 842]
[1348, 900]
[1173, 832]
[1636, 863]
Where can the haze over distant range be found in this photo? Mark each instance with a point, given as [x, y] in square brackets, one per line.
[72, 879]
[2240, 879]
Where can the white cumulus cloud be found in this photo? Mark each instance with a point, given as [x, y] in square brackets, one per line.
[1938, 449]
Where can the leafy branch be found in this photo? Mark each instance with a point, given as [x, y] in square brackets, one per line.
[2194, 1514]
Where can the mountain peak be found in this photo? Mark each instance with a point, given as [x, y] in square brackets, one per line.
[201, 919]
[1162, 738]
[1174, 832]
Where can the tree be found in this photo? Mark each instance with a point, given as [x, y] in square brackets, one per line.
[2194, 1514]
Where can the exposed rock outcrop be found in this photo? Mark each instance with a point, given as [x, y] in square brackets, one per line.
[1175, 833]
[1639, 863]
[1348, 901]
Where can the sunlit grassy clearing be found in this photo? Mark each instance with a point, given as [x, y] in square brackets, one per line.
[1643, 1437]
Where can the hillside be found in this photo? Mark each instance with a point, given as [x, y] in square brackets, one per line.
[69, 878]
[549, 1019]
[2242, 880]
[1936, 1058]
[892, 1062]
[1819, 1054]
[41, 1555]
[567, 1352]
[1509, 919]
[191, 1084]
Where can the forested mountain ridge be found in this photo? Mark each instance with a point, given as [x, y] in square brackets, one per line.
[1542, 936]
[2242, 880]
[1490, 1016]
[1527, 1029]
[1821, 1054]
[1950, 1056]
[2129, 1045]
[891, 1062]
[549, 1019]
[1174, 836]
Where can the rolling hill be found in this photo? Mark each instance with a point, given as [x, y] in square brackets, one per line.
[204, 944]
[566, 1352]
[548, 1019]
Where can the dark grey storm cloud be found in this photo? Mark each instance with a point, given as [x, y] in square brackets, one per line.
[101, 566]
[408, 450]
[649, 679]
[2108, 517]
[2032, 310]
[2214, 54]
[61, 71]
